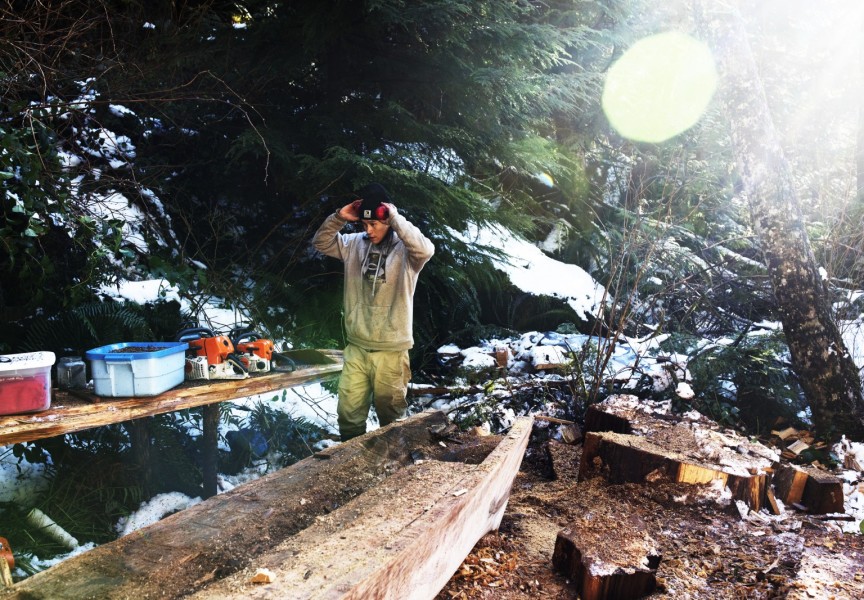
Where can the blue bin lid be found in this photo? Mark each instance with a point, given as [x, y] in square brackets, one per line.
[159, 349]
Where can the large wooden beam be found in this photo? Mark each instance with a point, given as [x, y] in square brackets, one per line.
[401, 539]
[185, 551]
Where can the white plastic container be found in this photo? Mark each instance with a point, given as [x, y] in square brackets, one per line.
[25, 382]
[137, 368]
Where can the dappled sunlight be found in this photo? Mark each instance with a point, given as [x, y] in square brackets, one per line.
[660, 87]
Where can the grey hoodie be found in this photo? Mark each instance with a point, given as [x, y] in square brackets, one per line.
[379, 280]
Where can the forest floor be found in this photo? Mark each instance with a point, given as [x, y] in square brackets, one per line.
[708, 550]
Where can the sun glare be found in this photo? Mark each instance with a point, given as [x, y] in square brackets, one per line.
[660, 87]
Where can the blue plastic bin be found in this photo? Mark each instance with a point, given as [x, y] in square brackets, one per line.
[143, 369]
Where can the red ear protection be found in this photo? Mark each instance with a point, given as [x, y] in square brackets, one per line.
[382, 213]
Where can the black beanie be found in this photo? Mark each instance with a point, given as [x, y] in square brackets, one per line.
[373, 196]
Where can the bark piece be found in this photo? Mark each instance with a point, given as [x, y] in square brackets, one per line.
[820, 492]
[622, 458]
[771, 502]
[607, 559]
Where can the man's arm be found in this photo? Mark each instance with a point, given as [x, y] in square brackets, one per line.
[327, 239]
[420, 248]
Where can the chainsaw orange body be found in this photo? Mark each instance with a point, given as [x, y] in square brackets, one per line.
[216, 349]
[211, 356]
[260, 348]
[255, 352]
[6, 553]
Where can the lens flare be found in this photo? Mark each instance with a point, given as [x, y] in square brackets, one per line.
[546, 179]
[660, 87]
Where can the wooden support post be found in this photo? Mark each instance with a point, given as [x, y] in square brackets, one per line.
[209, 451]
[139, 439]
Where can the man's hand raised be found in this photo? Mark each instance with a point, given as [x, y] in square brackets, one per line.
[351, 212]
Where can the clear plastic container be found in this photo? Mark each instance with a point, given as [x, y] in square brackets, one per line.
[25, 382]
[71, 373]
[137, 368]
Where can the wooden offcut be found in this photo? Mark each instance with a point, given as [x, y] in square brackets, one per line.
[608, 559]
[820, 492]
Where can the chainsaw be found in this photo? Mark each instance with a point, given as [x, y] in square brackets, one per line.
[211, 356]
[259, 354]
[255, 352]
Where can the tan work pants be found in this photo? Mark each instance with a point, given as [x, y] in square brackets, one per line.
[371, 377]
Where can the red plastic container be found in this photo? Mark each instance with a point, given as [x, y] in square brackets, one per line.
[25, 382]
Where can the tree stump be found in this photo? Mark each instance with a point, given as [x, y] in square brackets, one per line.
[622, 458]
[608, 559]
[635, 440]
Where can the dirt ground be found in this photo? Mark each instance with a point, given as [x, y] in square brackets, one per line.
[707, 549]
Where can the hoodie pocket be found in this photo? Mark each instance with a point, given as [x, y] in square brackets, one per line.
[370, 323]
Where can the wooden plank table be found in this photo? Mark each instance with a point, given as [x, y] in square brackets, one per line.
[77, 411]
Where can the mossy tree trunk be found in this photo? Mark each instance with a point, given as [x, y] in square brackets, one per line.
[826, 371]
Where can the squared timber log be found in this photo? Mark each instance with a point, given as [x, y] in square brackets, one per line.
[401, 539]
[182, 552]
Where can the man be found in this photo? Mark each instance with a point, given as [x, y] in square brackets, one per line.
[381, 269]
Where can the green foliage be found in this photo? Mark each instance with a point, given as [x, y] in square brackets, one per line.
[447, 103]
[90, 484]
[31, 199]
[96, 324]
[284, 438]
[746, 382]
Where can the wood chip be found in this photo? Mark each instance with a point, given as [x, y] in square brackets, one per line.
[849, 462]
[797, 447]
[785, 434]
[263, 576]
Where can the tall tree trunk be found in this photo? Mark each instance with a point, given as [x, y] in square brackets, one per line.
[859, 149]
[826, 371]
